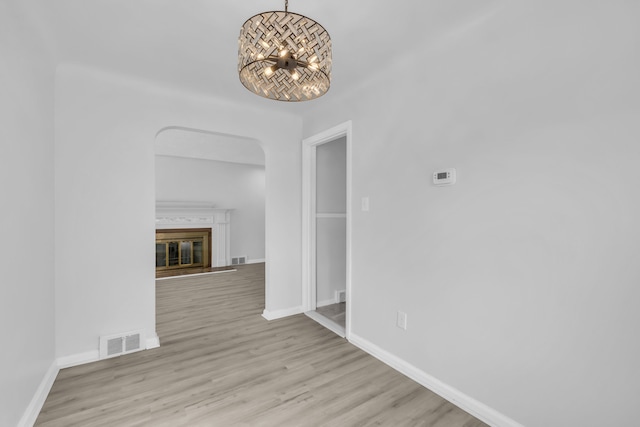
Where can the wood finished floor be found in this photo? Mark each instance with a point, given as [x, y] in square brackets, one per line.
[335, 312]
[186, 271]
[222, 364]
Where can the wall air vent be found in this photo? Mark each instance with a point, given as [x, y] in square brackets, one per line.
[239, 260]
[341, 296]
[118, 344]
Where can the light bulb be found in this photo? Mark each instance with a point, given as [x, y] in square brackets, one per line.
[295, 75]
[269, 71]
[314, 58]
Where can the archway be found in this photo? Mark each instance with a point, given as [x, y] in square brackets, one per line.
[209, 181]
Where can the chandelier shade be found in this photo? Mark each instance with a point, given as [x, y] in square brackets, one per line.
[284, 56]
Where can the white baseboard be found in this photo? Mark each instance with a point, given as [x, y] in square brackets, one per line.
[466, 403]
[255, 261]
[94, 355]
[186, 276]
[78, 359]
[327, 323]
[153, 341]
[33, 410]
[35, 406]
[278, 314]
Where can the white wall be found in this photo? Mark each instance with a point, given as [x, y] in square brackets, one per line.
[26, 194]
[105, 199]
[521, 281]
[225, 185]
[331, 231]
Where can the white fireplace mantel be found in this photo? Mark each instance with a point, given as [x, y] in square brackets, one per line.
[199, 215]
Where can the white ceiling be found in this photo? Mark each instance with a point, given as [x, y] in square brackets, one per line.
[192, 44]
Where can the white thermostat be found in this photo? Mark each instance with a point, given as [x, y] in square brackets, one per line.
[444, 177]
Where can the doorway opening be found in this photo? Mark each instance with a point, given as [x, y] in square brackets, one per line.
[327, 228]
[210, 201]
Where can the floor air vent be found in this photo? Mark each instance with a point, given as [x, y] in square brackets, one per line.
[238, 260]
[116, 345]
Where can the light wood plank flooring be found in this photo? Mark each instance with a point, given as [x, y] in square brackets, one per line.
[186, 271]
[221, 364]
[335, 312]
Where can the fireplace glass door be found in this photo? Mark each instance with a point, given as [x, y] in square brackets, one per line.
[182, 248]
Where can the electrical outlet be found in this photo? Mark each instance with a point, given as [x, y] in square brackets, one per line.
[402, 320]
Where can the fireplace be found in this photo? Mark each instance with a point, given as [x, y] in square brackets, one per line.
[205, 245]
[183, 249]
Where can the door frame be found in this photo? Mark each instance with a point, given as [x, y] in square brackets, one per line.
[309, 146]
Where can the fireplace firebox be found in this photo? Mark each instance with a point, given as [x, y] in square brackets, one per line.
[182, 249]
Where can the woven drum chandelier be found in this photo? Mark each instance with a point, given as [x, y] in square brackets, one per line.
[284, 56]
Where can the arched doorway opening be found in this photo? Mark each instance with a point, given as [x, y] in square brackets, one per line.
[214, 184]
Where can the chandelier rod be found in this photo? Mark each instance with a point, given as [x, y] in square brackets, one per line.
[286, 6]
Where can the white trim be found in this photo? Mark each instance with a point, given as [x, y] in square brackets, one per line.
[196, 274]
[104, 339]
[94, 355]
[327, 323]
[308, 225]
[348, 302]
[255, 261]
[40, 396]
[477, 409]
[309, 215]
[35, 406]
[78, 359]
[331, 215]
[278, 314]
[152, 342]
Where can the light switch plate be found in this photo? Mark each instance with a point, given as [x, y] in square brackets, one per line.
[402, 320]
[365, 204]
